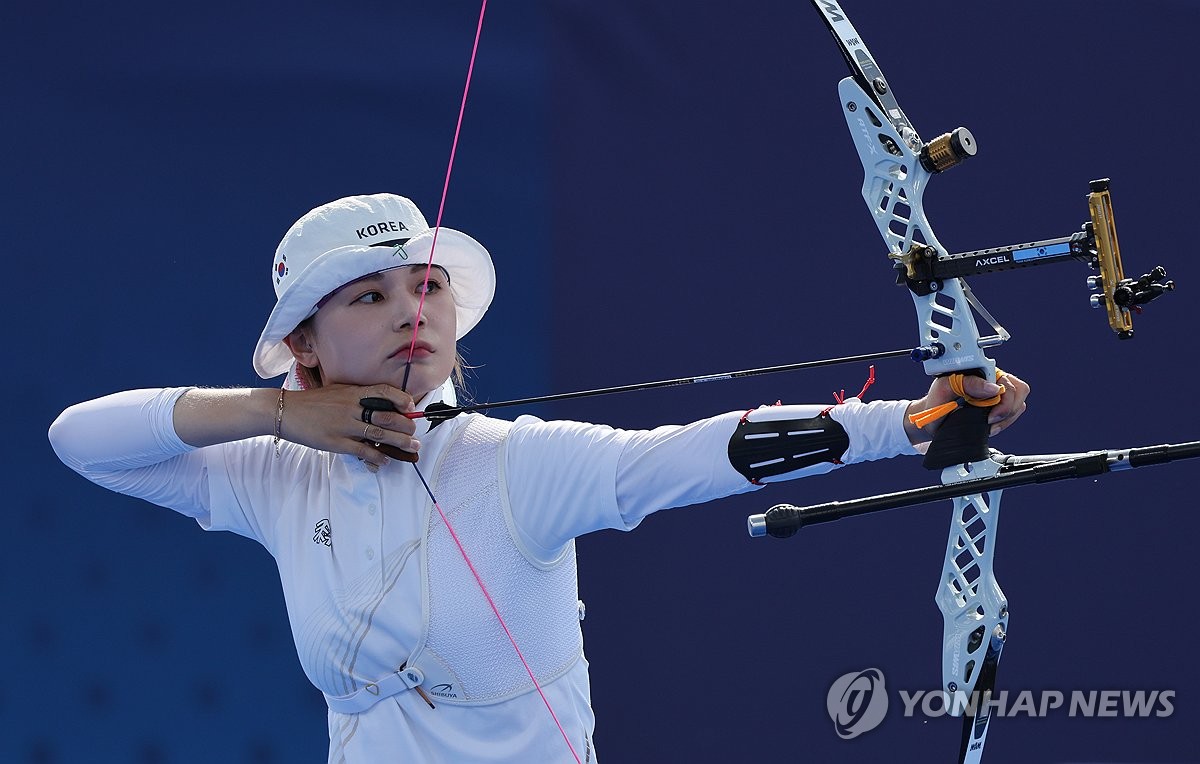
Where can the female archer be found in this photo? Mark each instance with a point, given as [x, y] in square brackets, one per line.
[434, 604]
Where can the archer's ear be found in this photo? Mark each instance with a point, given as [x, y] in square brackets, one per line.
[300, 342]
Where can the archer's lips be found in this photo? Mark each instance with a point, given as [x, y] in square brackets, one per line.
[420, 350]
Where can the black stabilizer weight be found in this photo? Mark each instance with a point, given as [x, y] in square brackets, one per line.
[783, 521]
[962, 437]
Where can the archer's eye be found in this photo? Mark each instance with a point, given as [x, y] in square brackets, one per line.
[432, 286]
[369, 297]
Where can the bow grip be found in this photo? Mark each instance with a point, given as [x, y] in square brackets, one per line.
[962, 436]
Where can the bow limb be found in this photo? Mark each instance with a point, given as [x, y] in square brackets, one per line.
[897, 167]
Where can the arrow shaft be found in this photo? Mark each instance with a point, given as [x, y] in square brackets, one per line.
[720, 377]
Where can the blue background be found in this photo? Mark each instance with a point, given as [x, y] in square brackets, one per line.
[667, 188]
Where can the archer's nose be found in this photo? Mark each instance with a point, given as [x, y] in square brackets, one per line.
[407, 313]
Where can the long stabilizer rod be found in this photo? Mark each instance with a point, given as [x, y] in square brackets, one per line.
[784, 520]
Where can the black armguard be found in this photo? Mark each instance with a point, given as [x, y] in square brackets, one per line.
[773, 447]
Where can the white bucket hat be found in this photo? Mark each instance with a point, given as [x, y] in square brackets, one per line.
[353, 237]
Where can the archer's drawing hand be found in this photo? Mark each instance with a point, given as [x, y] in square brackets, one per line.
[330, 418]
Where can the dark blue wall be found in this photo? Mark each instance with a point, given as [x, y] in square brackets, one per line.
[667, 188]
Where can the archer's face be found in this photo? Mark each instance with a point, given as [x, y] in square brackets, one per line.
[362, 333]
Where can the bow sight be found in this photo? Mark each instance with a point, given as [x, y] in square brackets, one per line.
[923, 270]
[921, 265]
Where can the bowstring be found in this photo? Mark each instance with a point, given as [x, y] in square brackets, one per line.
[404, 386]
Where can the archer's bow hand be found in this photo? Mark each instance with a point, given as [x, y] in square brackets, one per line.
[1012, 392]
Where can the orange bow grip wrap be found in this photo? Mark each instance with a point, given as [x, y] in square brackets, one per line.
[963, 434]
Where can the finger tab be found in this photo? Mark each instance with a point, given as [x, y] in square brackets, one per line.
[396, 453]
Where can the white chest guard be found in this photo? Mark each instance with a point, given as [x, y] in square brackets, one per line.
[464, 656]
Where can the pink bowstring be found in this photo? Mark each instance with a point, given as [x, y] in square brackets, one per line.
[437, 225]
[492, 603]
[404, 385]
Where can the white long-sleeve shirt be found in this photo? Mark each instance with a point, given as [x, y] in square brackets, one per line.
[345, 540]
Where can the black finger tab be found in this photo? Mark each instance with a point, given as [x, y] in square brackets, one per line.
[376, 404]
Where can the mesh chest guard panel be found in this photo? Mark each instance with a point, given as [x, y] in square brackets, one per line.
[538, 602]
